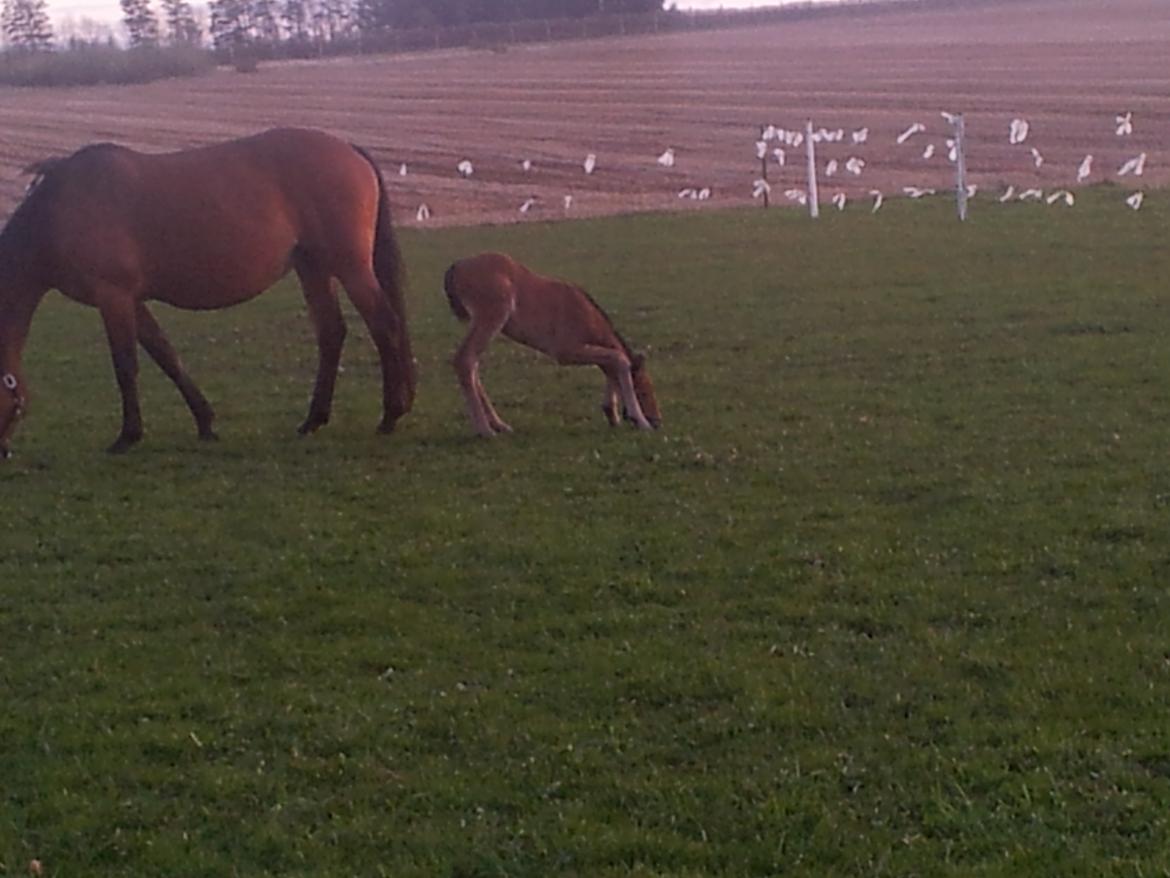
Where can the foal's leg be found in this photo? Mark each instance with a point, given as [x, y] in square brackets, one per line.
[616, 366]
[609, 401]
[329, 325]
[156, 343]
[485, 323]
[118, 314]
[389, 335]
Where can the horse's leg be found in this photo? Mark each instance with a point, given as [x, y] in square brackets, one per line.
[330, 328]
[156, 343]
[118, 315]
[609, 401]
[367, 296]
[485, 323]
[616, 366]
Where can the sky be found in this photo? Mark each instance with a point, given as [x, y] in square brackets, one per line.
[108, 10]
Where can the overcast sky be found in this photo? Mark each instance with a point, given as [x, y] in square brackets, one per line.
[109, 11]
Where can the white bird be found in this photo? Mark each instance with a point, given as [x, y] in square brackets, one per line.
[1086, 169]
[916, 128]
[854, 165]
[1008, 195]
[667, 158]
[1061, 195]
[1135, 166]
[839, 200]
[861, 135]
[704, 193]
[878, 198]
[1125, 125]
[928, 153]
[1018, 131]
[526, 165]
[423, 214]
[951, 118]
[568, 202]
[952, 149]
[796, 139]
[688, 193]
[972, 189]
[1135, 200]
[1037, 159]
[590, 163]
[797, 195]
[781, 156]
[465, 168]
[527, 205]
[1031, 195]
[402, 170]
[761, 148]
[916, 192]
[760, 188]
[769, 133]
[831, 168]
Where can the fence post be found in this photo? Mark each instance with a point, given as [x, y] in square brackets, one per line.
[814, 207]
[961, 166]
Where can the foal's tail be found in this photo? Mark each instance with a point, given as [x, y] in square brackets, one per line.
[457, 306]
[389, 269]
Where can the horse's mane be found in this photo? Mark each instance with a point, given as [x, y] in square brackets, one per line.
[592, 301]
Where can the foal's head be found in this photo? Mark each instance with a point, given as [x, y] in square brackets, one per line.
[644, 390]
[11, 409]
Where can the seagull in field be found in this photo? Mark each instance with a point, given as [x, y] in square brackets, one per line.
[951, 118]
[854, 165]
[1018, 131]
[1061, 195]
[1031, 195]
[916, 192]
[916, 128]
[704, 193]
[760, 188]
[590, 163]
[769, 133]
[465, 168]
[972, 189]
[1086, 169]
[839, 200]
[1037, 159]
[402, 170]
[1135, 166]
[861, 135]
[761, 148]
[1135, 200]
[688, 193]
[1008, 195]
[1125, 125]
[781, 156]
[878, 198]
[568, 202]
[831, 168]
[928, 153]
[528, 204]
[423, 214]
[526, 165]
[952, 150]
[797, 195]
[667, 158]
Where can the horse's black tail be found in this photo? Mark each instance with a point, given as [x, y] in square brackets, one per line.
[457, 307]
[390, 271]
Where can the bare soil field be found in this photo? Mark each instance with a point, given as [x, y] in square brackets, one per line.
[1069, 67]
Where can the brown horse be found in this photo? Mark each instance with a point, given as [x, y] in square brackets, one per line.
[201, 229]
[498, 294]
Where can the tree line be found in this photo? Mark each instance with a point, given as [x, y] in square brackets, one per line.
[235, 24]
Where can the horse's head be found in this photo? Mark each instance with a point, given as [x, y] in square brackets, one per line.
[12, 405]
[644, 390]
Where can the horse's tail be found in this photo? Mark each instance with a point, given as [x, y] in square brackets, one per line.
[389, 270]
[457, 306]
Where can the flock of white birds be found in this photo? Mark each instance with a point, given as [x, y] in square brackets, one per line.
[774, 144]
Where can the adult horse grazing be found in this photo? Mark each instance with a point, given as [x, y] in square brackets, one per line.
[498, 294]
[201, 229]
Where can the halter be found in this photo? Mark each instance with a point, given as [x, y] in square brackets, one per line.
[8, 382]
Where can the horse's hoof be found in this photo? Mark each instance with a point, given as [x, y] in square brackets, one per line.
[5, 453]
[208, 436]
[312, 425]
[123, 444]
[386, 427]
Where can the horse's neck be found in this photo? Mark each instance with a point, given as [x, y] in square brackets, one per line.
[20, 294]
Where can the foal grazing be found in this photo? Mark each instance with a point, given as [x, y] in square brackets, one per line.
[201, 229]
[498, 294]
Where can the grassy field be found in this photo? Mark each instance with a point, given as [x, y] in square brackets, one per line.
[887, 594]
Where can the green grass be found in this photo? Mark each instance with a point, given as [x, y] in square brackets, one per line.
[887, 595]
